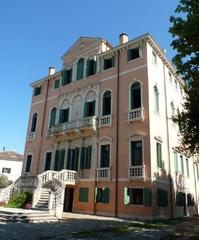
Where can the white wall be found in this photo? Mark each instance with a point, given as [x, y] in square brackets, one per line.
[16, 167]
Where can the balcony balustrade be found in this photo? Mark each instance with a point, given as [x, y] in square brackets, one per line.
[136, 114]
[105, 121]
[136, 172]
[103, 173]
[31, 136]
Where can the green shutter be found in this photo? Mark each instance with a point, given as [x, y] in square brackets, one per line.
[61, 159]
[95, 67]
[52, 117]
[126, 196]
[80, 69]
[83, 194]
[63, 77]
[56, 160]
[88, 66]
[76, 157]
[68, 160]
[105, 195]
[82, 158]
[60, 116]
[162, 198]
[147, 197]
[89, 155]
[85, 109]
[159, 155]
[129, 54]
[113, 61]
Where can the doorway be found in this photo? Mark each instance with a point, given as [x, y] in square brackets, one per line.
[68, 199]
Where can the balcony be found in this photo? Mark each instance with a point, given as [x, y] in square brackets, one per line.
[136, 172]
[31, 136]
[105, 121]
[74, 126]
[103, 173]
[136, 114]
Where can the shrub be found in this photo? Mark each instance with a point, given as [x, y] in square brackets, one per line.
[20, 200]
[4, 182]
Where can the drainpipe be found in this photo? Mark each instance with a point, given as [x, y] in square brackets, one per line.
[42, 126]
[196, 192]
[117, 133]
[168, 144]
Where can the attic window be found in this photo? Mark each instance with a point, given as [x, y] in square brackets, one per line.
[109, 62]
[133, 53]
[37, 91]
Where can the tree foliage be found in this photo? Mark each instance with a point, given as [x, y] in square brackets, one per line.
[185, 33]
[4, 182]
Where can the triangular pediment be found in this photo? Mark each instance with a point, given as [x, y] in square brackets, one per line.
[84, 44]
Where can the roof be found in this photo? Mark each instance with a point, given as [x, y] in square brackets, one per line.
[11, 155]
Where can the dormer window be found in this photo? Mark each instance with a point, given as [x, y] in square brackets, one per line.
[37, 91]
[109, 62]
[91, 67]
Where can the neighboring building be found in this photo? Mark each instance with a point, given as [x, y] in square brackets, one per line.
[108, 116]
[11, 164]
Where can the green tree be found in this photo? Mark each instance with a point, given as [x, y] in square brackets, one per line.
[4, 182]
[185, 33]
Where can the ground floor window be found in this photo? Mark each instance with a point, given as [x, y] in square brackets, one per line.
[48, 159]
[162, 198]
[73, 157]
[137, 196]
[83, 194]
[180, 199]
[28, 163]
[102, 195]
[86, 155]
[190, 200]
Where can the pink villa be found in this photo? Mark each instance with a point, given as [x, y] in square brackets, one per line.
[101, 139]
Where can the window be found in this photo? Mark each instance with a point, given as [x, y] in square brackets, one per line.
[135, 95]
[109, 63]
[86, 155]
[170, 77]
[52, 117]
[83, 194]
[136, 153]
[66, 76]
[180, 199]
[137, 196]
[28, 163]
[187, 165]
[59, 160]
[80, 69]
[190, 200]
[48, 161]
[73, 157]
[159, 155]
[156, 99]
[37, 91]
[182, 164]
[175, 156]
[102, 195]
[64, 115]
[105, 156]
[6, 170]
[197, 172]
[162, 198]
[89, 109]
[56, 83]
[133, 53]
[91, 67]
[34, 122]
[154, 57]
[106, 103]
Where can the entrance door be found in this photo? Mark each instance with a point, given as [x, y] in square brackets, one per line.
[68, 200]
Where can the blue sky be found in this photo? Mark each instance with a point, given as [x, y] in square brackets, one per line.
[35, 33]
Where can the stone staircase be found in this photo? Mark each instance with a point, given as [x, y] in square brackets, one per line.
[29, 216]
[43, 201]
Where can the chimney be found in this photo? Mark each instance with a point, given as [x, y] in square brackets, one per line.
[123, 38]
[51, 71]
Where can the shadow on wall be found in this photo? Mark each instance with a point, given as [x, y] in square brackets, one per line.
[168, 190]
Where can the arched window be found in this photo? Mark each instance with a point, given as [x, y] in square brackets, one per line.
[135, 95]
[80, 69]
[156, 99]
[52, 117]
[34, 122]
[106, 103]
